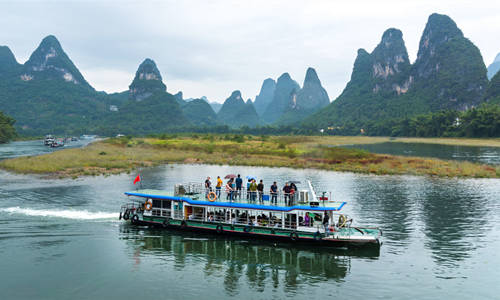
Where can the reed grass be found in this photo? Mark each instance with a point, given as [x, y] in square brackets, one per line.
[117, 155]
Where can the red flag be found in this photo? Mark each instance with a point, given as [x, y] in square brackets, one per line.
[137, 179]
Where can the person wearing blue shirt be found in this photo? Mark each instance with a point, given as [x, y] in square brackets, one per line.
[239, 183]
[274, 193]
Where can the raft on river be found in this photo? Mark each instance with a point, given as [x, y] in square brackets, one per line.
[191, 207]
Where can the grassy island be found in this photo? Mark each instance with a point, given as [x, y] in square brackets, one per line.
[117, 155]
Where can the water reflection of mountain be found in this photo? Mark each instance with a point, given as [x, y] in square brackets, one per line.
[257, 264]
[386, 203]
[455, 215]
[452, 213]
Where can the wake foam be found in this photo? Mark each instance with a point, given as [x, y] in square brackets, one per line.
[67, 214]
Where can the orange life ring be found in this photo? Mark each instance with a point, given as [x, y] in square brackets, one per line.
[148, 205]
[211, 197]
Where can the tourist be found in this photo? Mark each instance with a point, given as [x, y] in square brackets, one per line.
[326, 222]
[253, 190]
[208, 186]
[239, 183]
[229, 190]
[274, 193]
[292, 193]
[260, 188]
[218, 187]
[233, 189]
[249, 181]
[286, 192]
[306, 220]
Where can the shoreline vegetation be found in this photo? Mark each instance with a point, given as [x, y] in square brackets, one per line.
[125, 154]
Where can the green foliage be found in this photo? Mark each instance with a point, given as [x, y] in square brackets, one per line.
[7, 131]
[483, 121]
[199, 113]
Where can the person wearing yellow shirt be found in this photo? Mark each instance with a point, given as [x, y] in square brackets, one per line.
[218, 186]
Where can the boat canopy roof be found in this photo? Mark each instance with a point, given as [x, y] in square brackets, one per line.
[163, 195]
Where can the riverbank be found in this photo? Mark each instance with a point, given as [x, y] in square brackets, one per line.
[484, 142]
[118, 155]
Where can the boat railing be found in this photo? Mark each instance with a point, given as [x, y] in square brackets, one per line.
[280, 198]
[197, 190]
[131, 206]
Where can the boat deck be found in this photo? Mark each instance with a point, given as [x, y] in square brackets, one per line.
[241, 201]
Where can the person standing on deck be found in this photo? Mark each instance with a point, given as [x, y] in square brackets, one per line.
[292, 194]
[233, 189]
[229, 190]
[248, 188]
[239, 183]
[326, 222]
[218, 187]
[260, 188]
[274, 193]
[286, 192]
[208, 186]
[253, 190]
[293, 191]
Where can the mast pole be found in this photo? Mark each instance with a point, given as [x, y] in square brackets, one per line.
[312, 190]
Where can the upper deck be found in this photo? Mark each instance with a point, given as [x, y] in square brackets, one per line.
[241, 201]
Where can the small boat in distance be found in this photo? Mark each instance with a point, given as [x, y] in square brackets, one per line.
[300, 217]
[57, 143]
[49, 139]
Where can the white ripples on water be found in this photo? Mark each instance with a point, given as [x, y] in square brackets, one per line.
[66, 214]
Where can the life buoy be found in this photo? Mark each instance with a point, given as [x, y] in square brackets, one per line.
[212, 196]
[273, 231]
[317, 236]
[294, 236]
[165, 223]
[148, 205]
[126, 215]
[135, 219]
[247, 229]
[219, 229]
[342, 221]
[183, 224]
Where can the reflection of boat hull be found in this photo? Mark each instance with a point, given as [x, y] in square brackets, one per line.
[340, 238]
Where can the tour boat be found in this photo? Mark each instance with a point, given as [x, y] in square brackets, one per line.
[301, 217]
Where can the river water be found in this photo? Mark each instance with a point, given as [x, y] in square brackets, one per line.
[61, 239]
[484, 155]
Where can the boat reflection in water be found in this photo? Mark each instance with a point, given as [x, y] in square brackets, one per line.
[257, 263]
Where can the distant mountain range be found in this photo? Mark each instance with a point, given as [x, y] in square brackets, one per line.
[449, 73]
[48, 94]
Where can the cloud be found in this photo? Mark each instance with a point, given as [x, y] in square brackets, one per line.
[213, 47]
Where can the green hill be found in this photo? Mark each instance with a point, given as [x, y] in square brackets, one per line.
[199, 113]
[236, 113]
[449, 73]
[284, 93]
[309, 99]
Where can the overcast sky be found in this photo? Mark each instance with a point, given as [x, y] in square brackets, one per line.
[214, 47]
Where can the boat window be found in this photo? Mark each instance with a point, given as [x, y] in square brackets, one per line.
[157, 203]
[166, 204]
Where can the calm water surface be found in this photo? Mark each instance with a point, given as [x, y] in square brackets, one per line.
[485, 155]
[61, 239]
[23, 148]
